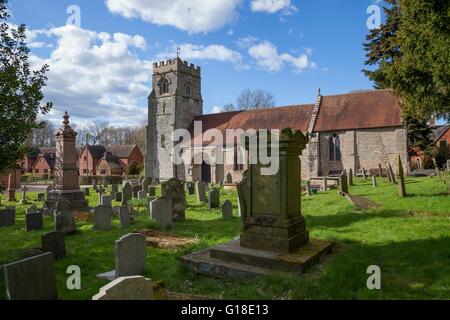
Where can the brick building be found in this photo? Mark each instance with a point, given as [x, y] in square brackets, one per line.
[110, 160]
[355, 130]
[44, 164]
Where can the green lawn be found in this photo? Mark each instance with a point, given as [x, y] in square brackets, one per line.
[408, 238]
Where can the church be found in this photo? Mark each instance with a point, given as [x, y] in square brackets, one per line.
[354, 130]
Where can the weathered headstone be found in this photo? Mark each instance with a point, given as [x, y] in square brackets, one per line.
[142, 194]
[54, 242]
[343, 182]
[214, 198]
[145, 184]
[436, 168]
[161, 212]
[391, 172]
[229, 178]
[141, 180]
[118, 196]
[127, 288]
[374, 180]
[388, 172]
[8, 217]
[227, 210]
[124, 216]
[174, 190]
[131, 257]
[114, 188]
[127, 193]
[31, 279]
[24, 190]
[41, 197]
[190, 188]
[11, 191]
[380, 168]
[200, 191]
[64, 219]
[33, 221]
[308, 188]
[364, 173]
[324, 184]
[151, 191]
[102, 218]
[136, 189]
[401, 179]
[350, 177]
[106, 201]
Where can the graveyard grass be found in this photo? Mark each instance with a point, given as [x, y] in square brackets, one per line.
[408, 238]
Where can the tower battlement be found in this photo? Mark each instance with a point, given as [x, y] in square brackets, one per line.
[175, 64]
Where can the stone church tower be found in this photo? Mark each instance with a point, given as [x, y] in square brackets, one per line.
[173, 103]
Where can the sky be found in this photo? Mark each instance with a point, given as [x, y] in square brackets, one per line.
[100, 52]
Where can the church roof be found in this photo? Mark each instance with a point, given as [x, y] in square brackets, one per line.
[359, 110]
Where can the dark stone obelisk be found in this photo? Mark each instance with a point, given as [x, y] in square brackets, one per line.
[65, 181]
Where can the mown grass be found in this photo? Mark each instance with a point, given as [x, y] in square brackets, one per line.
[408, 238]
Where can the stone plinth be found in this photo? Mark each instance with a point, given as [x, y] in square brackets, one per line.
[66, 184]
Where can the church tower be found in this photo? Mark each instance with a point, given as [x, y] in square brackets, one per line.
[173, 103]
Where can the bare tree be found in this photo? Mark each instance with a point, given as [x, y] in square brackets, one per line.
[255, 99]
[43, 136]
[97, 130]
[229, 107]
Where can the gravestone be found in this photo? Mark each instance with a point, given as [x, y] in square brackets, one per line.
[364, 173]
[227, 210]
[374, 180]
[24, 190]
[308, 188]
[127, 193]
[127, 288]
[436, 168]
[190, 188]
[350, 177]
[114, 188]
[380, 170]
[12, 185]
[151, 191]
[391, 172]
[131, 257]
[100, 190]
[142, 194]
[448, 165]
[401, 179]
[124, 216]
[324, 184]
[8, 217]
[174, 190]
[214, 198]
[136, 189]
[33, 220]
[31, 279]
[200, 191]
[54, 242]
[41, 197]
[102, 218]
[141, 180]
[63, 216]
[388, 173]
[343, 182]
[106, 201]
[161, 212]
[86, 191]
[145, 184]
[118, 196]
[229, 178]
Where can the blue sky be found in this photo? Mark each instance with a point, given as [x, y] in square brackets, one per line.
[102, 70]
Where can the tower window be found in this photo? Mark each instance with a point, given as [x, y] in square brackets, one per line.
[188, 89]
[163, 141]
[164, 86]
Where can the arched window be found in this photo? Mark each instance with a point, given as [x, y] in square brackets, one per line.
[334, 148]
[164, 86]
[163, 141]
[188, 89]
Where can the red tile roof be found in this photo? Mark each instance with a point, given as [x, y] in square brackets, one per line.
[360, 110]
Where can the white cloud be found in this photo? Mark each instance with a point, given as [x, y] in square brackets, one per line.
[194, 16]
[246, 42]
[217, 109]
[268, 58]
[96, 74]
[211, 52]
[273, 6]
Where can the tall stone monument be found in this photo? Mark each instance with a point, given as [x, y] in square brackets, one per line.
[274, 234]
[65, 182]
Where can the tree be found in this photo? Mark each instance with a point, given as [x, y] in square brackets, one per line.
[20, 92]
[419, 132]
[255, 99]
[411, 53]
[42, 136]
[228, 107]
[97, 130]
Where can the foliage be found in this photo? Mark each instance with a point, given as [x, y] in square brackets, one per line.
[441, 154]
[20, 92]
[411, 53]
[419, 132]
[134, 169]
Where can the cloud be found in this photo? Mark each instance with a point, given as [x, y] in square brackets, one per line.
[268, 58]
[211, 52]
[273, 6]
[217, 109]
[95, 74]
[194, 16]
